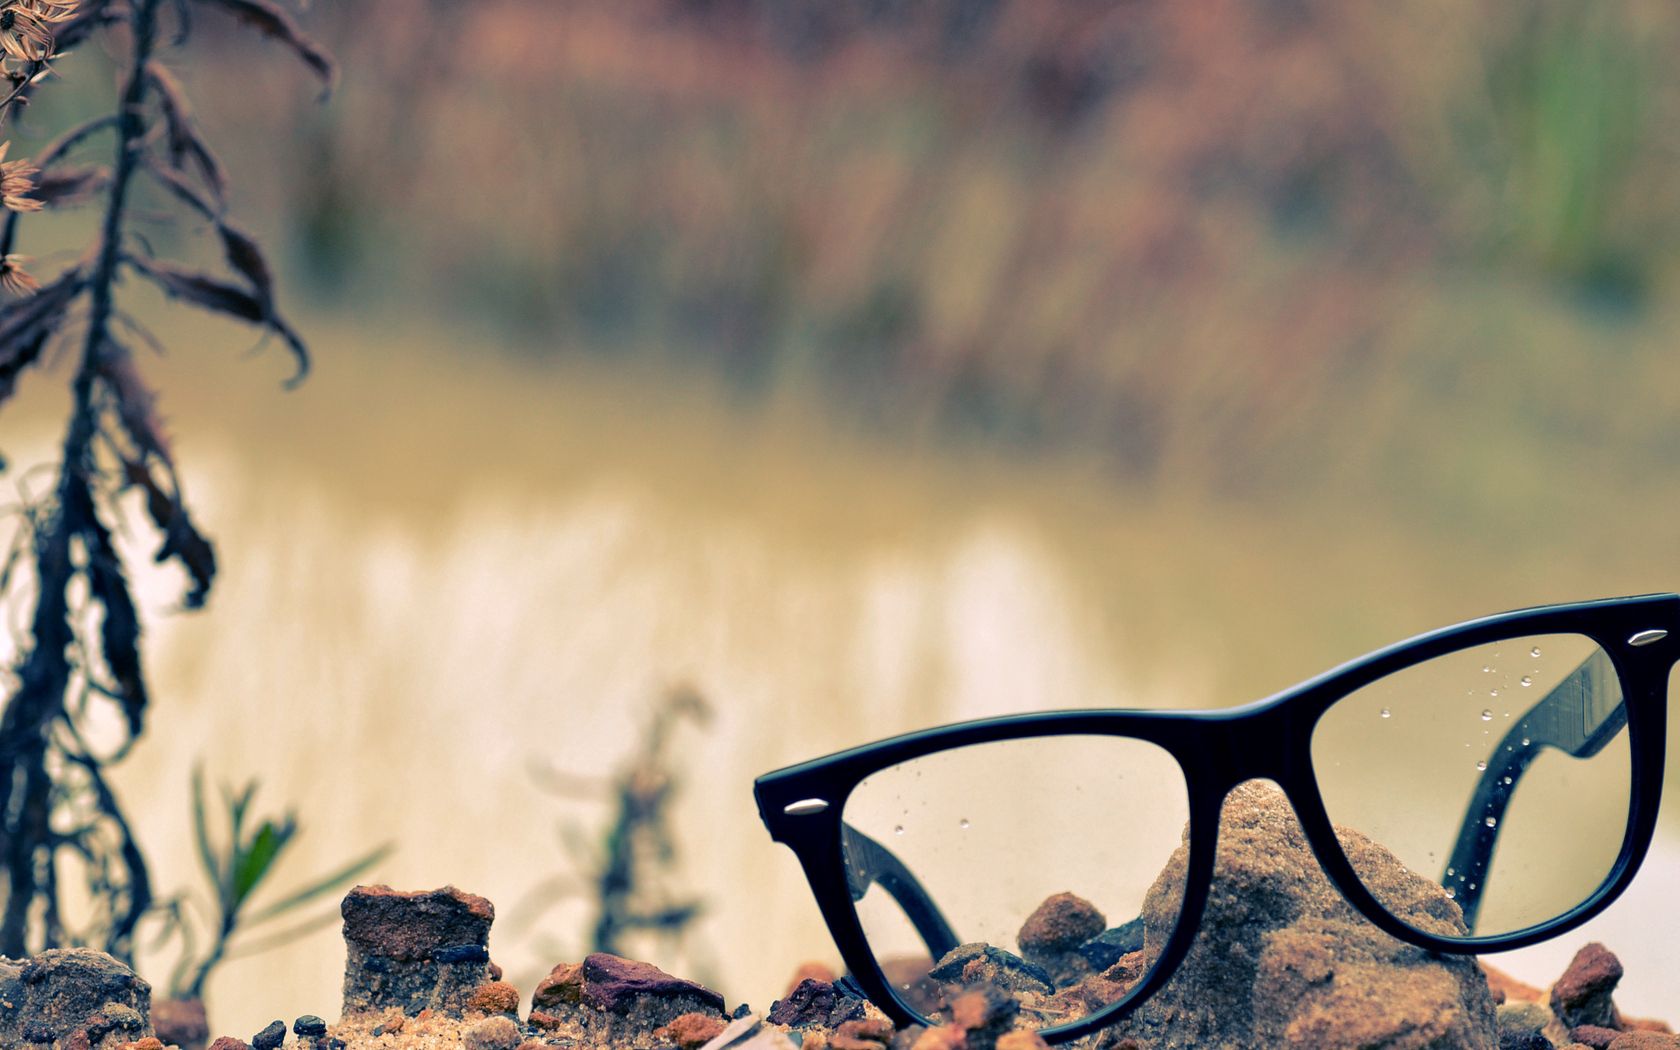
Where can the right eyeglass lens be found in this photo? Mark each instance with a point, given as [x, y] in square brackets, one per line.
[1502, 772]
[1030, 871]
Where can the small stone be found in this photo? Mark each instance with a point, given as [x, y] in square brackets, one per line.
[181, 1022]
[270, 1037]
[228, 1042]
[66, 989]
[414, 951]
[494, 997]
[811, 971]
[816, 1003]
[493, 1033]
[564, 984]
[1061, 924]
[151, 1042]
[1021, 1040]
[1594, 1036]
[1519, 1017]
[944, 1037]
[975, 965]
[1645, 1041]
[868, 1034]
[1582, 995]
[544, 1020]
[691, 1031]
[1110, 946]
[309, 1027]
[616, 984]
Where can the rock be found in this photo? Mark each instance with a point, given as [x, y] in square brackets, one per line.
[1517, 1020]
[493, 1033]
[1021, 1040]
[817, 1003]
[1594, 1036]
[691, 1031]
[228, 1042]
[609, 999]
[494, 997]
[1282, 960]
[182, 1022]
[309, 1027]
[983, 965]
[1054, 933]
[811, 971]
[414, 951]
[1110, 946]
[63, 990]
[868, 1034]
[1582, 995]
[270, 1037]
[1645, 1041]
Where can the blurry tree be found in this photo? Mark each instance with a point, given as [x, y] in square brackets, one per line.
[80, 654]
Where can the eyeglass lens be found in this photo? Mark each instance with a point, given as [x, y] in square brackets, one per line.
[1019, 869]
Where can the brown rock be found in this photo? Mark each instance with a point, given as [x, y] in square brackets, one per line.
[617, 985]
[811, 971]
[563, 985]
[1061, 924]
[944, 1037]
[228, 1042]
[492, 1033]
[867, 1034]
[151, 1042]
[1594, 1036]
[494, 997]
[816, 1003]
[1645, 1041]
[546, 1021]
[182, 1022]
[414, 951]
[691, 1031]
[65, 989]
[1582, 995]
[1283, 961]
[1021, 1040]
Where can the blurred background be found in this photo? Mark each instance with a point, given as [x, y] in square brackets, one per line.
[865, 364]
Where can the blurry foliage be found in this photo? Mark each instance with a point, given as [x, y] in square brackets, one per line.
[77, 699]
[236, 863]
[1158, 230]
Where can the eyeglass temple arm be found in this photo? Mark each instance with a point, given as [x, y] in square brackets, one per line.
[868, 862]
[1579, 716]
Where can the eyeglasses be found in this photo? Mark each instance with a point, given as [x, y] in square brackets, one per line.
[1015, 852]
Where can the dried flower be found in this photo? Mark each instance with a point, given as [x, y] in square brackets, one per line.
[14, 279]
[26, 27]
[17, 178]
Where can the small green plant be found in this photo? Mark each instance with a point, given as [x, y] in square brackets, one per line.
[237, 864]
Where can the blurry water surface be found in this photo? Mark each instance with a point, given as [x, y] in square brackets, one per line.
[442, 567]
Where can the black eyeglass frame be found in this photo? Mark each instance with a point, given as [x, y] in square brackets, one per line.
[802, 805]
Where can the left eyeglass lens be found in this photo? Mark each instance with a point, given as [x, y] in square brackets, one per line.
[1032, 867]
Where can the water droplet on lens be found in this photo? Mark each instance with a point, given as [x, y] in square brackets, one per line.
[1507, 780]
[1492, 822]
[1487, 669]
[1386, 713]
[1487, 716]
[1526, 680]
[1526, 741]
[1472, 885]
[1481, 765]
[1451, 872]
[1451, 892]
[963, 823]
[898, 830]
[1534, 651]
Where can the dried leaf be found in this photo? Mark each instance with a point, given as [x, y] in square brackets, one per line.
[70, 184]
[24, 321]
[246, 258]
[185, 144]
[201, 289]
[184, 191]
[218, 295]
[90, 15]
[119, 629]
[181, 539]
[136, 403]
[273, 21]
